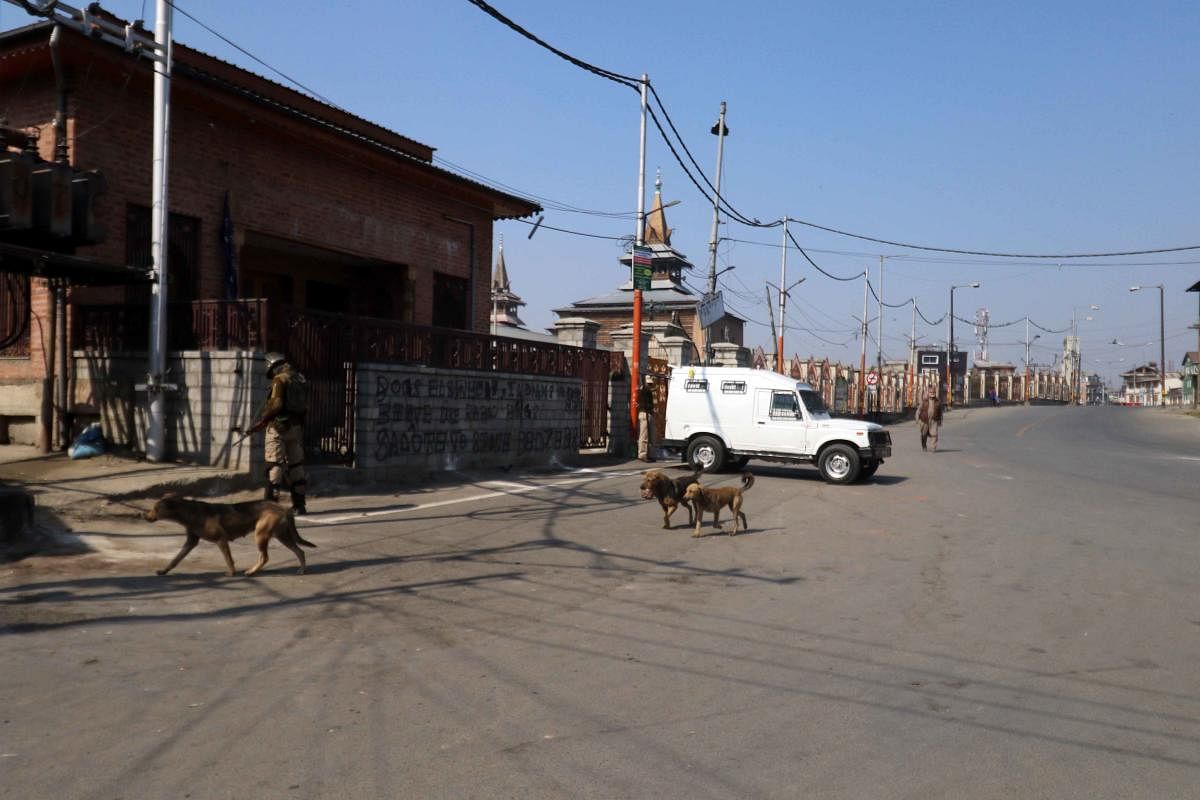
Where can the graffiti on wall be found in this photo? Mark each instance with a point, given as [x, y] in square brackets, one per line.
[435, 415]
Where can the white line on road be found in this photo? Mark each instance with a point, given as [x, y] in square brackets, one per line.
[511, 489]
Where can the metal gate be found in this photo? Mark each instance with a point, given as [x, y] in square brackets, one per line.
[595, 370]
[320, 346]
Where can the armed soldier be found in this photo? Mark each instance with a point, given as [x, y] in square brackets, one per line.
[283, 416]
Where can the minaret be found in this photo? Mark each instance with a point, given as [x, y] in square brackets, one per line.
[656, 230]
[504, 302]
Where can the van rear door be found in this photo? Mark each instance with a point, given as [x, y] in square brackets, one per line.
[778, 425]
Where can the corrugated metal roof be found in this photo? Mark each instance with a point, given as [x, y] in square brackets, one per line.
[197, 72]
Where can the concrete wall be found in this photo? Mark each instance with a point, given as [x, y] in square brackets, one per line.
[217, 392]
[414, 420]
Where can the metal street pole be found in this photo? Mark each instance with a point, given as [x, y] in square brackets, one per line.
[720, 131]
[782, 300]
[1162, 343]
[879, 342]
[1027, 361]
[635, 374]
[862, 362]
[912, 356]
[950, 343]
[155, 388]
[1162, 350]
[950, 354]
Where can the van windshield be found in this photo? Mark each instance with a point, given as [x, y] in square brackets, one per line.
[813, 402]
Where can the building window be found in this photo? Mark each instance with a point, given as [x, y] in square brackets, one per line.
[183, 251]
[449, 301]
[14, 315]
[927, 360]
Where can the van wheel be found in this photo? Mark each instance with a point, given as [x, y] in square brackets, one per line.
[839, 464]
[706, 453]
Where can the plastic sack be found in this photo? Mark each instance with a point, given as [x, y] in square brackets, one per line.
[89, 442]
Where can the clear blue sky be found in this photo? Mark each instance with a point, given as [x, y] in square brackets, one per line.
[1018, 127]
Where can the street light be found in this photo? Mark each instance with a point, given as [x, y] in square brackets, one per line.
[1162, 344]
[1028, 342]
[1076, 355]
[950, 344]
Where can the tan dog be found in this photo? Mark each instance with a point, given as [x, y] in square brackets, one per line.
[715, 498]
[668, 492]
[223, 522]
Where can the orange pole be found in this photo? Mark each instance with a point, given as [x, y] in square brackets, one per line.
[635, 373]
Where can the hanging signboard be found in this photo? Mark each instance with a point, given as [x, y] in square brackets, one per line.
[710, 310]
[642, 268]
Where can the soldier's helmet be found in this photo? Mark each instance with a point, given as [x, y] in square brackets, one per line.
[274, 361]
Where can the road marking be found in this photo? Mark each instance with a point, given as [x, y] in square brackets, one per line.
[512, 488]
[1001, 477]
[1021, 432]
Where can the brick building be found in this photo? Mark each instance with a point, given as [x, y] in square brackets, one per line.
[328, 211]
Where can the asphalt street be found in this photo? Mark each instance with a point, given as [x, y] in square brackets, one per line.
[1016, 615]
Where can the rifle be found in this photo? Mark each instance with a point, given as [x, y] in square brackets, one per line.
[253, 430]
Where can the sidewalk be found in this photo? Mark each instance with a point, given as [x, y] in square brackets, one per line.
[102, 485]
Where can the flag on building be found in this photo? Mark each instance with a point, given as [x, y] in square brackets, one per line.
[227, 252]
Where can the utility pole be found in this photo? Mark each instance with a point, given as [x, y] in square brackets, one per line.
[862, 362]
[912, 355]
[879, 342]
[155, 384]
[1027, 361]
[771, 314]
[720, 131]
[782, 300]
[635, 374]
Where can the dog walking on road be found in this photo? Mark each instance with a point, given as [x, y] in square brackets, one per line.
[221, 523]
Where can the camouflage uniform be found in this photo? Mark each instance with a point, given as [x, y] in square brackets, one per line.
[284, 446]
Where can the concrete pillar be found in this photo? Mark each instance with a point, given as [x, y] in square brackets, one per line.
[577, 332]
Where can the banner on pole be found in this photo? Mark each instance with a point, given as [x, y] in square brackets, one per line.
[642, 267]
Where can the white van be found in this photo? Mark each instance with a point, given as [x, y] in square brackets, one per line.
[721, 417]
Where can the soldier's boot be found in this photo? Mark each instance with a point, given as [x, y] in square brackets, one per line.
[298, 502]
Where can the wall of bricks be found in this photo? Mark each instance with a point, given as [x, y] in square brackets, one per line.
[217, 392]
[414, 420]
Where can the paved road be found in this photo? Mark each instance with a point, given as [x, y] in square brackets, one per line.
[1014, 616]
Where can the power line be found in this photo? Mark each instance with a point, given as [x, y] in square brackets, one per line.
[250, 55]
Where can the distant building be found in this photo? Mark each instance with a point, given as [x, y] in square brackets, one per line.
[669, 307]
[1141, 386]
[505, 319]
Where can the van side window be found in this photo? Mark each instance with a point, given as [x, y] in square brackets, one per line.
[784, 405]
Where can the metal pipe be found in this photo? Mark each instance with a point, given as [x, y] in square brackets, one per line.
[62, 435]
[61, 151]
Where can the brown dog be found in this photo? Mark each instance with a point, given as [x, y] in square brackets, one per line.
[223, 522]
[715, 498]
[669, 492]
